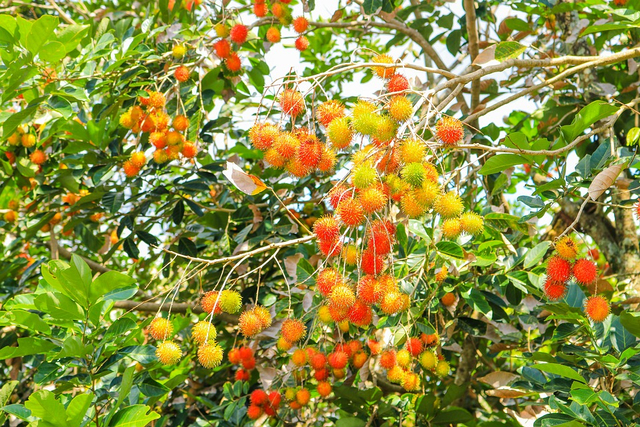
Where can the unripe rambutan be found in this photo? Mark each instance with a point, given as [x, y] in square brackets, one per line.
[180, 123]
[329, 111]
[209, 301]
[330, 248]
[350, 254]
[302, 43]
[338, 359]
[371, 263]
[342, 297]
[396, 374]
[350, 212]
[442, 369]
[400, 108]
[300, 24]
[414, 346]
[327, 159]
[449, 130]
[324, 314]
[472, 223]
[391, 303]
[299, 357]
[263, 135]
[181, 74]
[233, 63]
[397, 83]
[339, 133]
[125, 120]
[558, 269]
[283, 344]
[567, 248]
[254, 412]
[291, 102]
[411, 206]
[414, 174]
[238, 33]
[303, 396]
[585, 271]
[360, 314]
[324, 388]
[210, 355]
[344, 325]
[383, 72]
[448, 299]
[168, 352]
[369, 290]
[403, 358]
[555, 290]
[411, 382]
[451, 228]
[242, 375]
[203, 331]
[178, 51]
[372, 200]
[362, 112]
[386, 129]
[130, 170]
[273, 35]
[161, 329]
[293, 330]
[230, 301]
[327, 228]
[328, 279]
[222, 48]
[221, 30]
[160, 156]
[38, 157]
[375, 347]
[364, 176]
[249, 324]
[28, 140]
[448, 205]
[428, 360]
[412, 151]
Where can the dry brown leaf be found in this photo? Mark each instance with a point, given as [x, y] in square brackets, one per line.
[604, 180]
[336, 15]
[257, 217]
[498, 379]
[600, 285]
[506, 393]
[486, 57]
[291, 265]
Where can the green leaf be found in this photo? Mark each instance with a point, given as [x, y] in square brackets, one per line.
[77, 409]
[305, 272]
[29, 321]
[153, 388]
[592, 29]
[133, 416]
[631, 323]
[450, 249]
[508, 50]
[108, 282]
[59, 306]
[53, 52]
[125, 388]
[597, 110]
[452, 415]
[517, 24]
[558, 369]
[43, 404]
[350, 422]
[621, 337]
[633, 136]
[536, 254]
[41, 31]
[501, 162]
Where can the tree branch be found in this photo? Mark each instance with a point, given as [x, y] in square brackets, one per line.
[472, 32]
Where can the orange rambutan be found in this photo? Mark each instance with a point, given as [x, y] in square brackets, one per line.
[309, 153]
[321, 374]
[274, 159]
[138, 159]
[38, 157]
[318, 361]
[372, 199]
[411, 206]
[558, 269]
[180, 123]
[330, 248]
[286, 144]
[371, 262]
[338, 194]
[303, 396]
[242, 375]
[302, 43]
[283, 345]
[338, 314]
[130, 170]
[327, 228]
[222, 48]
[328, 279]
[157, 100]
[360, 314]
[249, 323]
[383, 72]
[238, 33]
[342, 297]
[254, 412]
[263, 135]
[291, 102]
[324, 388]
[555, 290]
[430, 340]
[297, 169]
[350, 254]
[328, 159]
[397, 83]
[369, 290]
[597, 308]
[161, 328]
[258, 397]
[181, 74]
[411, 382]
[249, 363]
[585, 271]
[374, 346]
[300, 24]
[448, 299]
[299, 357]
[274, 399]
[350, 212]
[414, 346]
[449, 130]
[209, 301]
[388, 359]
[329, 111]
[263, 316]
[293, 330]
[392, 302]
[233, 62]
[338, 359]
[273, 35]
[260, 9]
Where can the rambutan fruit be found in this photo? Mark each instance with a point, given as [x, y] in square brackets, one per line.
[338, 359]
[413, 174]
[254, 412]
[38, 157]
[354, 346]
[300, 24]
[388, 359]
[383, 72]
[427, 194]
[249, 323]
[168, 352]
[555, 290]
[286, 144]
[263, 316]
[371, 263]
[234, 356]
[328, 159]
[157, 100]
[233, 63]
[472, 223]
[397, 83]
[372, 200]
[239, 33]
[274, 399]
[428, 360]
[364, 176]
[273, 35]
[309, 153]
[585, 271]
[350, 254]
[328, 111]
[558, 269]
[321, 374]
[443, 368]
[364, 119]
[567, 248]
[391, 303]
[28, 140]
[400, 108]
[324, 314]
[448, 299]
[303, 396]
[125, 120]
[338, 314]
[412, 151]
[230, 301]
[181, 74]
[292, 102]
[411, 382]
[222, 48]
[324, 388]
[161, 328]
[242, 375]
[203, 331]
[174, 138]
[380, 240]
[342, 297]
[297, 169]
[263, 135]
[318, 361]
[278, 10]
[411, 207]
[403, 358]
[449, 130]
[338, 194]
[387, 283]
[414, 346]
[327, 228]
[138, 159]
[210, 355]
[360, 314]
[260, 9]
[178, 51]
[339, 132]
[130, 170]
[209, 301]
[180, 123]
[328, 279]
[369, 290]
[451, 228]
[350, 212]
[293, 330]
[283, 344]
[274, 159]
[330, 248]
[448, 205]
[299, 357]
[160, 156]
[249, 363]
[302, 43]
[432, 172]
[396, 374]
[386, 129]
[221, 30]
[258, 397]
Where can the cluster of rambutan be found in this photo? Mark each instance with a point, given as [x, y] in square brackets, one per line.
[166, 135]
[281, 11]
[25, 138]
[564, 266]
[262, 402]
[242, 356]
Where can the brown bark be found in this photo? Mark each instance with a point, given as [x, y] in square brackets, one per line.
[466, 366]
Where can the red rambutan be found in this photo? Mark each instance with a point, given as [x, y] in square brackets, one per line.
[350, 212]
[555, 290]
[239, 33]
[371, 262]
[585, 271]
[597, 308]
[558, 269]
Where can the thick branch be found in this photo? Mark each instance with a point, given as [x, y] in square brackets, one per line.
[472, 31]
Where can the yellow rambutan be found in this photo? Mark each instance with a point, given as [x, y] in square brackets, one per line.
[161, 328]
[451, 228]
[293, 330]
[384, 72]
[567, 248]
[168, 352]
[412, 151]
[210, 354]
[342, 297]
[448, 205]
[472, 223]
[339, 132]
[400, 108]
[203, 331]
[230, 301]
